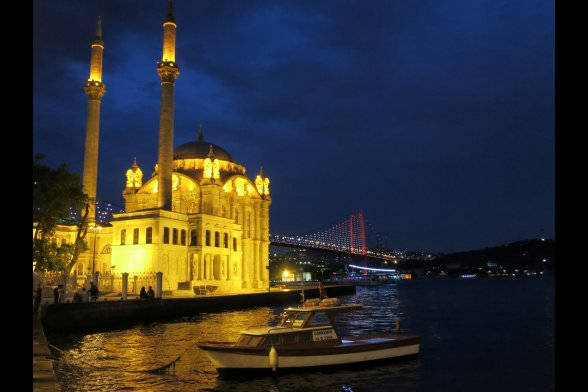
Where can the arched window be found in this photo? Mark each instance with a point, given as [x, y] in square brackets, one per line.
[183, 237]
[216, 239]
[123, 237]
[193, 237]
[234, 244]
[207, 237]
[149, 235]
[225, 240]
[136, 236]
[63, 241]
[54, 241]
[166, 235]
[175, 236]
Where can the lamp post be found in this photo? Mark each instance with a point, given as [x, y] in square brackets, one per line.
[94, 228]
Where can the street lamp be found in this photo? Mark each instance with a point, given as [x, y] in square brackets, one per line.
[94, 228]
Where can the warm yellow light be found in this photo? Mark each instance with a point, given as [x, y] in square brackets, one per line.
[216, 169]
[207, 168]
[240, 186]
[134, 178]
[96, 64]
[169, 42]
[259, 184]
[285, 275]
[262, 185]
[266, 186]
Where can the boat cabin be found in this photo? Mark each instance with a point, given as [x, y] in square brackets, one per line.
[312, 323]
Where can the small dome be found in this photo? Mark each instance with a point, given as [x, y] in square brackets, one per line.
[200, 149]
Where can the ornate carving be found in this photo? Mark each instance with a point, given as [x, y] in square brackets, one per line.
[168, 71]
[95, 90]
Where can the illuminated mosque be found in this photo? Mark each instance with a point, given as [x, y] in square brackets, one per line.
[199, 219]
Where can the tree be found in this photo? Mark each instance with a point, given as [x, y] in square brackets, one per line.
[55, 193]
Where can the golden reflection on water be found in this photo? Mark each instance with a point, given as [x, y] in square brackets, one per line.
[117, 360]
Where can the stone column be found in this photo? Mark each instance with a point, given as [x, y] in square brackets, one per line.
[125, 285]
[159, 285]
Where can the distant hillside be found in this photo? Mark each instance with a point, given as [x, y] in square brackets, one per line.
[531, 255]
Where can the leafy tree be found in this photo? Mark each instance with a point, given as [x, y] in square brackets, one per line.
[51, 257]
[55, 192]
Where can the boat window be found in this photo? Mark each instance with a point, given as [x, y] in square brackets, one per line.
[254, 340]
[319, 318]
[294, 319]
[244, 340]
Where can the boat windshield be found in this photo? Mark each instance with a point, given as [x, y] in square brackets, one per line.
[294, 319]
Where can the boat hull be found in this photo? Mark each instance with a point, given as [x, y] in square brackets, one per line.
[357, 350]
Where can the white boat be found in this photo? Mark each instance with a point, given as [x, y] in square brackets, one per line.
[306, 337]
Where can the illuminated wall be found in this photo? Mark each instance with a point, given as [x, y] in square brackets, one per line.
[224, 215]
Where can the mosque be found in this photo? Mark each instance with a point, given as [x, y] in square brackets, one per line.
[199, 219]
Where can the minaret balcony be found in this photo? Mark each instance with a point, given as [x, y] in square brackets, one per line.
[168, 71]
[94, 89]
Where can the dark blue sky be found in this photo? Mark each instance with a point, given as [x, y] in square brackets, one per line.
[436, 118]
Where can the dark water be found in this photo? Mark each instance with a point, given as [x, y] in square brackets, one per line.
[476, 335]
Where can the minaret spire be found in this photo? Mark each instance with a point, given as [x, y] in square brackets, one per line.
[99, 28]
[95, 89]
[170, 12]
[168, 71]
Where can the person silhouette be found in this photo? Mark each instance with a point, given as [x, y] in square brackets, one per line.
[143, 293]
[151, 293]
[93, 292]
[38, 297]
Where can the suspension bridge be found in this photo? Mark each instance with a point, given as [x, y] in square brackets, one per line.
[347, 236]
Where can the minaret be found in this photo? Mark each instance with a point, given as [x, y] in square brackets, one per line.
[95, 90]
[168, 70]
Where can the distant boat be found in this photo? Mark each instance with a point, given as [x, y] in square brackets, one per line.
[307, 337]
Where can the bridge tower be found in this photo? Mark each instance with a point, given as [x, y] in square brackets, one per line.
[357, 233]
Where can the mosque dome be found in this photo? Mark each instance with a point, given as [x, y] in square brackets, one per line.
[200, 150]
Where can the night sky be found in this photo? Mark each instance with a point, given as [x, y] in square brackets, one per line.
[436, 118]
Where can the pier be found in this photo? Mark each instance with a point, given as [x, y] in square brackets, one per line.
[115, 313]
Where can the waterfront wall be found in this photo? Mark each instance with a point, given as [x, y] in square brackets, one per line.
[100, 315]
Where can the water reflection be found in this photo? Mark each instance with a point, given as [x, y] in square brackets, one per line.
[476, 335]
[116, 360]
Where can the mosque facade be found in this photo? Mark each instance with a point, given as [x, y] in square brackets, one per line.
[199, 219]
